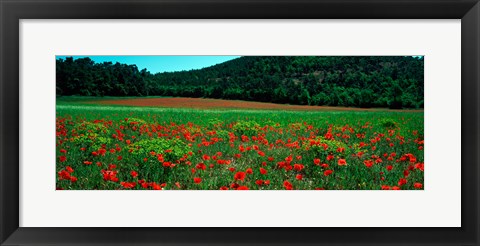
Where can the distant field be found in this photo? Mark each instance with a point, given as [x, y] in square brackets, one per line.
[202, 103]
[195, 144]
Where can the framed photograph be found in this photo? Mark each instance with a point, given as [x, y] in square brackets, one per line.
[239, 122]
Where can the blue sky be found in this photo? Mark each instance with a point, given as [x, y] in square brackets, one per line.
[156, 64]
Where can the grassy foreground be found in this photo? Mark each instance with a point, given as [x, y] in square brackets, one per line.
[116, 147]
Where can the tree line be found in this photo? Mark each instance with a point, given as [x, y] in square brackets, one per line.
[357, 81]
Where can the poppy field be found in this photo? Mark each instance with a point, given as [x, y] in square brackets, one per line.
[103, 147]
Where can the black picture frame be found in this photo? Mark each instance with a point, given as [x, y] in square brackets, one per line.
[12, 11]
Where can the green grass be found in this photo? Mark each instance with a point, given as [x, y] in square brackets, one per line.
[192, 126]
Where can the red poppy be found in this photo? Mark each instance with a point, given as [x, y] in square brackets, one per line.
[402, 182]
[206, 157]
[395, 188]
[156, 186]
[287, 185]
[368, 163]
[69, 169]
[249, 171]
[316, 161]
[128, 185]
[385, 187]
[417, 185]
[299, 177]
[389, 167]
[197, 180]
[201, 166]
[419, 166]
[263, 171]
[327, 172]
[134, 174]
[239, 176]
[242, 188]
[298, 167]
[259, 182]
[63, 158]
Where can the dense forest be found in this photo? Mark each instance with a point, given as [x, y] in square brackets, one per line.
[358, 81]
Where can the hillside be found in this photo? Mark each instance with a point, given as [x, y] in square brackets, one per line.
[395, 82]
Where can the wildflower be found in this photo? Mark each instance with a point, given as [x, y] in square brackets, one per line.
[327, 172]
[239, 176]
[263, 171]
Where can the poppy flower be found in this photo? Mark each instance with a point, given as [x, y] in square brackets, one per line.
[69, 169]
[287, 185]
[156, 186]
[299, 177]
[197, 180]
[368, 163]
[419, 166]
[389, 167]
[239, 176]
[417, 185]
[249, 171]
[133, 174]
[63, 158]
[128, 185]
[298, 167]
[242, 188]
[402, 182]
[327, 172]
[316, 161]
[263, 171]
[201, 166]
[224, 188]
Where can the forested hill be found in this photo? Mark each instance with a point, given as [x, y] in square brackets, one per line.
[356, 81]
